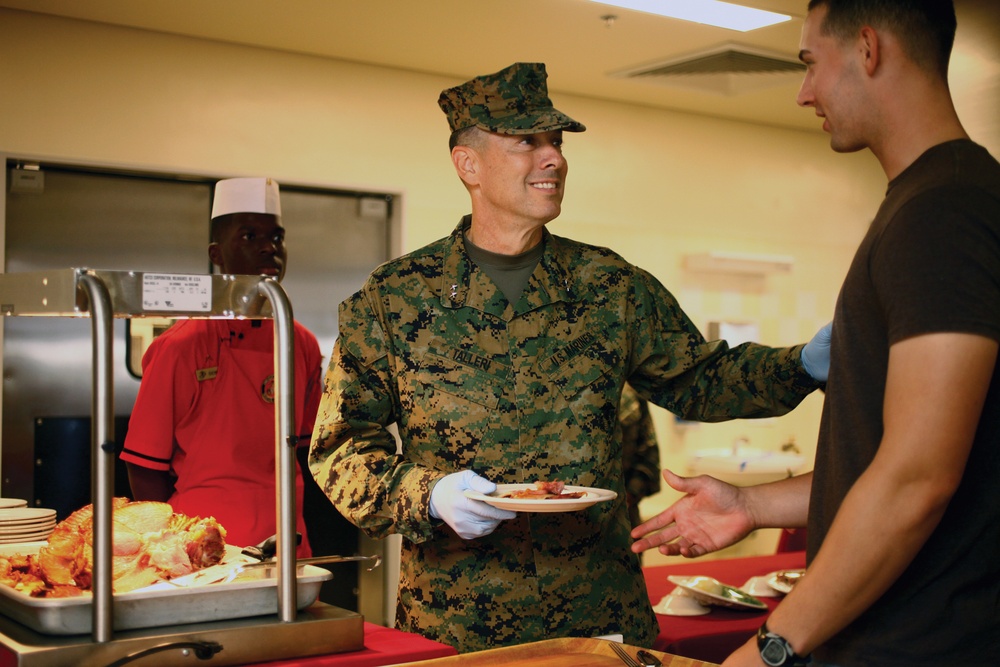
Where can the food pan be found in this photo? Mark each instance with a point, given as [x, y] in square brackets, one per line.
[252, 593]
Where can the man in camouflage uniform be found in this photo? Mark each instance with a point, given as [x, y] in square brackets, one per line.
[500, 352]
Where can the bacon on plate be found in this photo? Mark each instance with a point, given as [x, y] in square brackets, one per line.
[546, 491]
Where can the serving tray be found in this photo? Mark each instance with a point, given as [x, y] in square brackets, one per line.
[253, 593]
[562, 652]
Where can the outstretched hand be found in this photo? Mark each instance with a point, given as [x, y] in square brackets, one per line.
[711, 515]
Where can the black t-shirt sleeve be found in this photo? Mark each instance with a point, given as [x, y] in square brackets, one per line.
[937, 266]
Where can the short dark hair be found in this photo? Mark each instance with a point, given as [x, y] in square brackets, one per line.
[467, 136]
[925, 28]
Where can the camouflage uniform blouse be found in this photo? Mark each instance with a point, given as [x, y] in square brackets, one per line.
[517, 394]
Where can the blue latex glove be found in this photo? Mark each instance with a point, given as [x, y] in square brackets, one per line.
[816, 354]
[469, 518]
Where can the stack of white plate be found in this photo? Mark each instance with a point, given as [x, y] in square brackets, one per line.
[26, 524]
[8, 503]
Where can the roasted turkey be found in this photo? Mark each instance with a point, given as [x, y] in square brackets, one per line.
[150, 543]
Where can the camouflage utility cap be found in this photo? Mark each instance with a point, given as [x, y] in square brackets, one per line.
[514, 100]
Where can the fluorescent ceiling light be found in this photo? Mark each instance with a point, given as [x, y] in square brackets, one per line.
[709, 12]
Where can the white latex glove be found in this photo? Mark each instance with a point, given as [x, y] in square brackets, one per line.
[469, 518]
[816, 354]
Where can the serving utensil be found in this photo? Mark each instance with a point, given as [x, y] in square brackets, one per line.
[625, 657]
[226, 572]
[268, 548]
[648, 659]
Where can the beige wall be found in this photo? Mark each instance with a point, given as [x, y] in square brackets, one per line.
[652, 184]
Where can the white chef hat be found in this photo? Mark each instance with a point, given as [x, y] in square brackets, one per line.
[246, 195]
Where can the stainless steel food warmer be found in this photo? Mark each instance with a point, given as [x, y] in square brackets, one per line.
[211, 624]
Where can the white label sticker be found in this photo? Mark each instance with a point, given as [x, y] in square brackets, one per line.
[176, 293]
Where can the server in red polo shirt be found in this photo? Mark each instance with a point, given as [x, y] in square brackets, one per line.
[201, 435]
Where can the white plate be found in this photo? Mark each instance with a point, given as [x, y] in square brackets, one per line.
[25, 530]
[6, 531]
[26, 537]
[707, 590]
[7, 503]
[21, 526]
[591, 497]
[26, 515]
[784, 580]
[37, 521]
[37, 536]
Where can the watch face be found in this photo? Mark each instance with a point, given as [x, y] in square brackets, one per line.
[773, 653]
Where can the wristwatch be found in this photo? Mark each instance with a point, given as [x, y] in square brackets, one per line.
[775, 651]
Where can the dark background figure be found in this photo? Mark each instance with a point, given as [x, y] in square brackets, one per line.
[640, 452]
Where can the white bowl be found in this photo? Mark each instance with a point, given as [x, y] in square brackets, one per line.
[680, 603]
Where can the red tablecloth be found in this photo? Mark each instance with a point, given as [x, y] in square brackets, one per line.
[383, 646]
[714, 636]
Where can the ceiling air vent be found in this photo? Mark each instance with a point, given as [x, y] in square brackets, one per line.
[728, 69]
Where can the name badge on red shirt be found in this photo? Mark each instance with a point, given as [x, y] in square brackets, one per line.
[203, 374]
